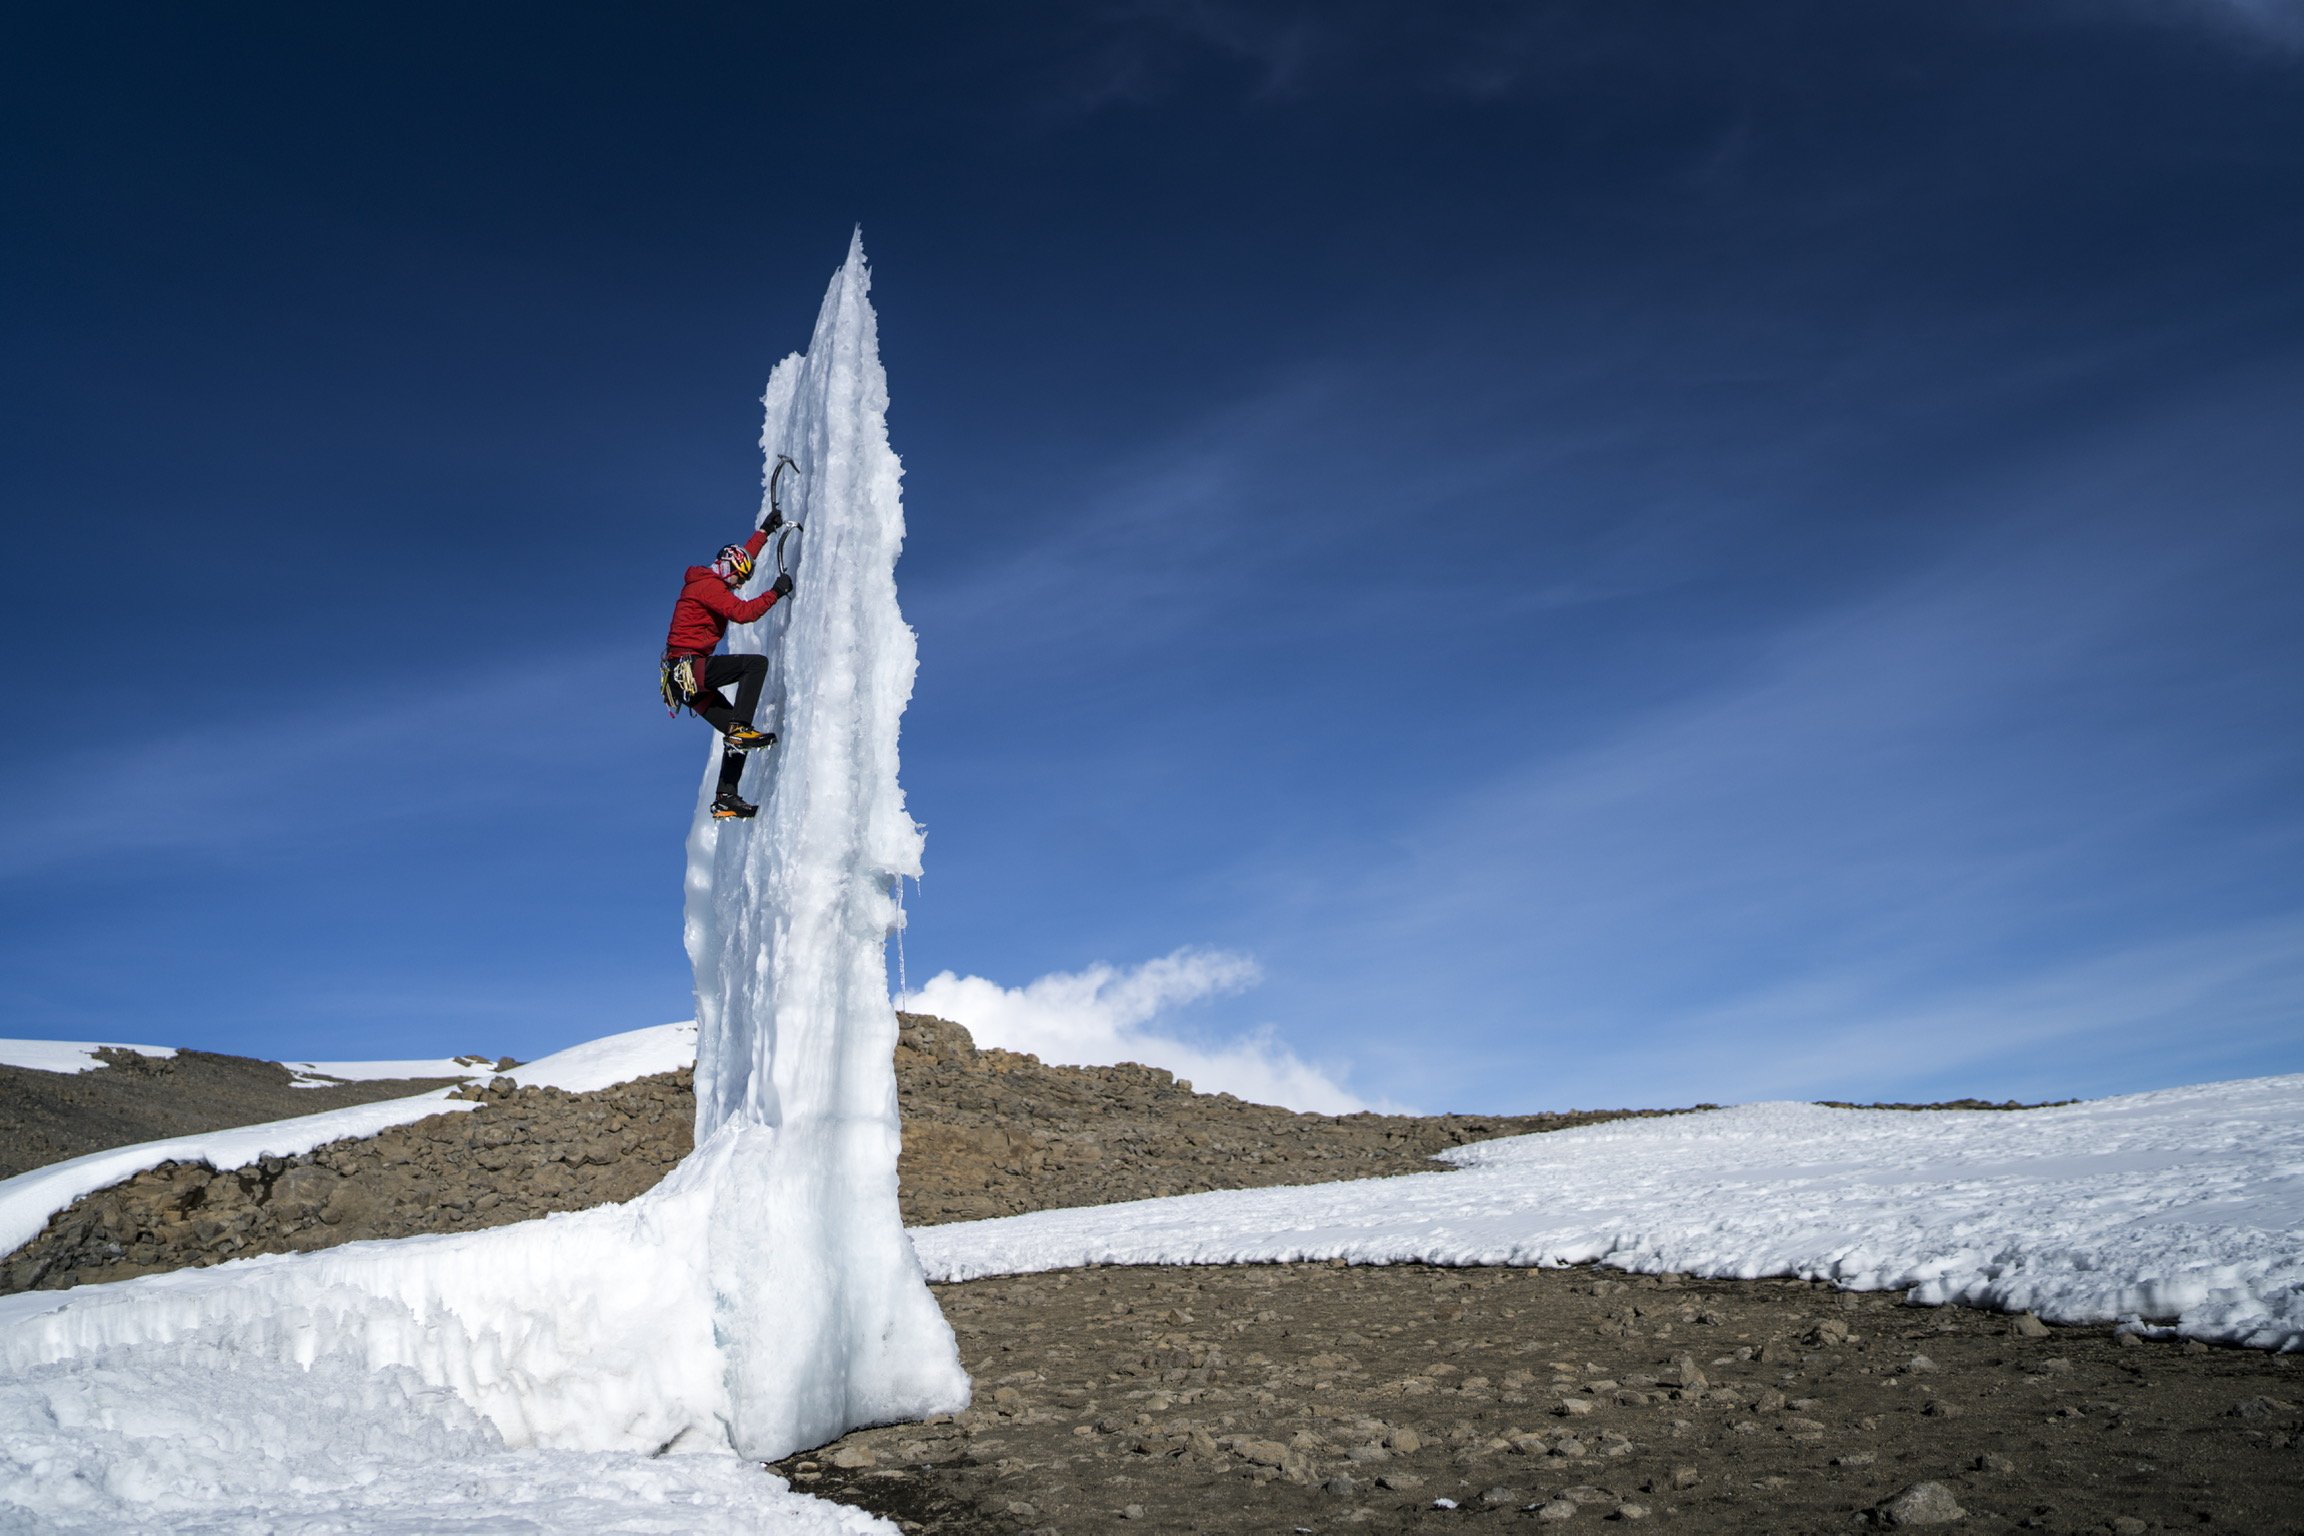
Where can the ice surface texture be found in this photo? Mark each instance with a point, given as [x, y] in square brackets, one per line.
[2185, 1204]
[820, 1305]
[764, 1298]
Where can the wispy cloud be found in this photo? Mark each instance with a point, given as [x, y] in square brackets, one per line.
[347, 763]
[1135, 52]
[1139, 51]
[2278, 22]
[1104, 1015]
[2091, 1025]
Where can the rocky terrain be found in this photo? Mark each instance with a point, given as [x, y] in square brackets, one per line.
[46, 1117]
[1324, 1398]
[1321, 1398]
[994, 1133]
[521, 1153]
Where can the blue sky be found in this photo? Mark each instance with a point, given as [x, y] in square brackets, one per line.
[1571, 553]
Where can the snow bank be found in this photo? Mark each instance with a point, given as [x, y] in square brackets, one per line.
[584, 1068]
[326, 1074]
[592, 1332]
[204, 1438]
[68, 1055]
[761, 1299]
[823, 1311]
[588, 1331]
[611, 1059]
[2185, 1204]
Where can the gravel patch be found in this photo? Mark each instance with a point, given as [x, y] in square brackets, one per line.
[1318, 1398]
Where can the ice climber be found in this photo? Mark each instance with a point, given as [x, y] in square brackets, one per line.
[694, 677]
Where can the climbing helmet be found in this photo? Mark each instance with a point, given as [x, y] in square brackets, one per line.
[734, 564]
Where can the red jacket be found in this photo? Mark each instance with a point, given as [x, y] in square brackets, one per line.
[707, 605]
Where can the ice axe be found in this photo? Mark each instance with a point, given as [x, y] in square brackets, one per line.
[777, 524]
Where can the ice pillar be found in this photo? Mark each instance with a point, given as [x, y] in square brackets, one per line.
[824, 1318]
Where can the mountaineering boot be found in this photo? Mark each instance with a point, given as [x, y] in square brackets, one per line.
[728, 805]
[743, 738]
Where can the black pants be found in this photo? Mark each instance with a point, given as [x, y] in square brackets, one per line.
[716, 673]
[713, 674]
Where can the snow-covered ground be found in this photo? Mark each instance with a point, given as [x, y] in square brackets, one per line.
[610, 1060]
[537, 1368]
[321, 1074]
[68, 1055]
[2184, 1207]
[585, 1068]
[184, 1402]
[206, 1439]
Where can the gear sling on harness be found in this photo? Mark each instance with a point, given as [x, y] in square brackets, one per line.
[679, 682]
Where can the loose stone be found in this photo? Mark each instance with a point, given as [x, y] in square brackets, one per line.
[1921, 1504]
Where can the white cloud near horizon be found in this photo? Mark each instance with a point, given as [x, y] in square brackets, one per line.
[1104, 1015]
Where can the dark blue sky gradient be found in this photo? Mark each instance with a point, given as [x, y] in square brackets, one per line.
[1624, 554]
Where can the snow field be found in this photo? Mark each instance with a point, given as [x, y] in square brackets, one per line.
[323, 1074]
[206, 1438]
[402, 1371]
[634, 1053]
[68, 1055]
[589, 1331]
[2184, 1205]
[609, 1060]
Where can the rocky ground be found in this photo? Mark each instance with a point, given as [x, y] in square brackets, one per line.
[994, 1133]
[46, 1117]
[1318, 1398]
[521, 1153]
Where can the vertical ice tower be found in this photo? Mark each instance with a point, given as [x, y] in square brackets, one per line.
[820, 1307]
